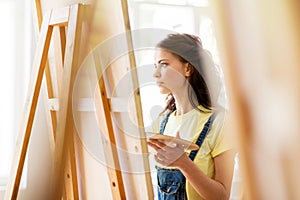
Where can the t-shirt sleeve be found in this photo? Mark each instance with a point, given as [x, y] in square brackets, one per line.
[220, 140]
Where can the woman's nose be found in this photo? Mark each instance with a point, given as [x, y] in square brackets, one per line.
[156, 73]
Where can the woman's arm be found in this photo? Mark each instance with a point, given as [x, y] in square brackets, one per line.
[217, 188]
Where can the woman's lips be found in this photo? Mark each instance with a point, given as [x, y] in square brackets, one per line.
[159, 83]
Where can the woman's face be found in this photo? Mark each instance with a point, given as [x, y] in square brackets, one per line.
[170, 72]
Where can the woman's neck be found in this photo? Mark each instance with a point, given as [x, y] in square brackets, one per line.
[183, 105]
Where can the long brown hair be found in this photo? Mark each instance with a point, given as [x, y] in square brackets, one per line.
[188, 48]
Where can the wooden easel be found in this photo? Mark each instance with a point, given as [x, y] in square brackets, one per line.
[68, 22]
[69, 18]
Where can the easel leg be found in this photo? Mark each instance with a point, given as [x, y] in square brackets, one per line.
[65, 127]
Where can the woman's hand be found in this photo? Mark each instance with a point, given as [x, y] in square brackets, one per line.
[168, 154]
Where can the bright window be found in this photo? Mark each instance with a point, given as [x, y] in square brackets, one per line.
[16, 58]
[7, 87]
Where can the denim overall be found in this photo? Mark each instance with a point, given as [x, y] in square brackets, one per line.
[171, 182]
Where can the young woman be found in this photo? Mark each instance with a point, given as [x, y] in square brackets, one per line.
[186, 72]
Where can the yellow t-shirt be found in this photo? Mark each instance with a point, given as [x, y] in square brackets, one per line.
[189, 126]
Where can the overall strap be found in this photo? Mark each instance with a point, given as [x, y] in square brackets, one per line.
[202, 135]
[164, 123]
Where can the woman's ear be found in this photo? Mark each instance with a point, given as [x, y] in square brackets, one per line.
[188, 69]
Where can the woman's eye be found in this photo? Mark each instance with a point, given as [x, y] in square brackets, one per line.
[163, 65]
